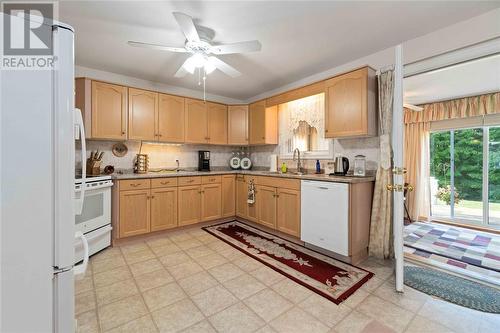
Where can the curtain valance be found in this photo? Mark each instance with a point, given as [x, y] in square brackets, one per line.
[457, 108]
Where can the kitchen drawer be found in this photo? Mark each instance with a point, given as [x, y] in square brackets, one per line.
[211, 179]
[292, 184]
[163, 182]
[249, 178]
[134, 184]
[183, 181]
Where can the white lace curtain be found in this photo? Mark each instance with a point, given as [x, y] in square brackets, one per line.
[302, 120]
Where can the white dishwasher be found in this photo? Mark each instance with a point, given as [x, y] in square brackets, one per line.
[325, 215]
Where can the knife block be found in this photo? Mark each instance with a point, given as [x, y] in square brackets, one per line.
[93, 167]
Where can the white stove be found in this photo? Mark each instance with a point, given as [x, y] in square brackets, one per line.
[95, 220]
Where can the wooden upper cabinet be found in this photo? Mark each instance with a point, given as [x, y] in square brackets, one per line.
[196, 118]
[350, 109]
[288, 211]
[217, 123]
[109, 111]
[237, 131]
[263, 123]
[170, 125]
[142, 113]
[257, 119]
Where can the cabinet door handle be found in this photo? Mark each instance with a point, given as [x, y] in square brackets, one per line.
[152, 197]
[190, 180]
[164, 183]
[123, 132]
[134, 185]
[323, 188]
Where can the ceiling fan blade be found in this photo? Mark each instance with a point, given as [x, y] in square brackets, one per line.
[157, 47]
[182, 71]
[223, 67]
[240, 47]
[187, 26]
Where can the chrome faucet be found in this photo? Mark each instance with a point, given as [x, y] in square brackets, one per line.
[299, 166]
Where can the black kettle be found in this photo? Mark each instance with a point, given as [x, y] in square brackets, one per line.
[341, 165]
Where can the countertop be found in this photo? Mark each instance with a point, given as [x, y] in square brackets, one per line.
[129, 174]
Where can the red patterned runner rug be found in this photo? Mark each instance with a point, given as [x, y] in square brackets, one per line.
[328, 277]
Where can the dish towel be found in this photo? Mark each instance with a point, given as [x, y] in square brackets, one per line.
[251, 193]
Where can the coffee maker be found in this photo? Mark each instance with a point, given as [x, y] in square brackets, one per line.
[203, 160]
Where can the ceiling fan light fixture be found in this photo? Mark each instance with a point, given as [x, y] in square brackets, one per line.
[198, 60]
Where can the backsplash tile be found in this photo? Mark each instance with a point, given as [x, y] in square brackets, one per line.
[164, 155]
[347, 147]
[160, 155]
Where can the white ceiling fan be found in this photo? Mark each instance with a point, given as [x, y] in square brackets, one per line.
[199, 45]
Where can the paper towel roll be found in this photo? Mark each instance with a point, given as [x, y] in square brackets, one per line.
[273, 165]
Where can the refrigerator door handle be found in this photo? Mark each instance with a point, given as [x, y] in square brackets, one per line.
[79, 199]
[81, 268]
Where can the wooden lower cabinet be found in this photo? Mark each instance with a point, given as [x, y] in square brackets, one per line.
[149, 205]
[266, 207]
[241, 197]
[163, 208]
[134, 212]
[252, 213]
[189, 204]
[211, 205]
[228, 195]
[288, 211]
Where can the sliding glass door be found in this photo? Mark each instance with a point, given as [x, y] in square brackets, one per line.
[465, 175]
[494, 175]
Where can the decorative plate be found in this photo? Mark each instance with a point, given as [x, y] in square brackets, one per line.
[246, 163]
[119, 149]
[235, 162]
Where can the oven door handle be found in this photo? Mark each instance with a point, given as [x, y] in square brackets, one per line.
[81, 268]
[79, 199]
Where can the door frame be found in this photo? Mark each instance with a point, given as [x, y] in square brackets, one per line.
[398, 163]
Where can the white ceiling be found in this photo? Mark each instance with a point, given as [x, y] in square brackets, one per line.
[467, 79]
[299, 38]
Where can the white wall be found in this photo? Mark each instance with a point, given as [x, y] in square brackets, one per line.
[459, 35]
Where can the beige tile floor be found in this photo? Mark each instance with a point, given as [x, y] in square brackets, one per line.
[189, 281]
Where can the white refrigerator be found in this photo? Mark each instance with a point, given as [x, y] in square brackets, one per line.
[37, 168]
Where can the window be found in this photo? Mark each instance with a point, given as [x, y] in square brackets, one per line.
[302, 126]
[465, 165]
